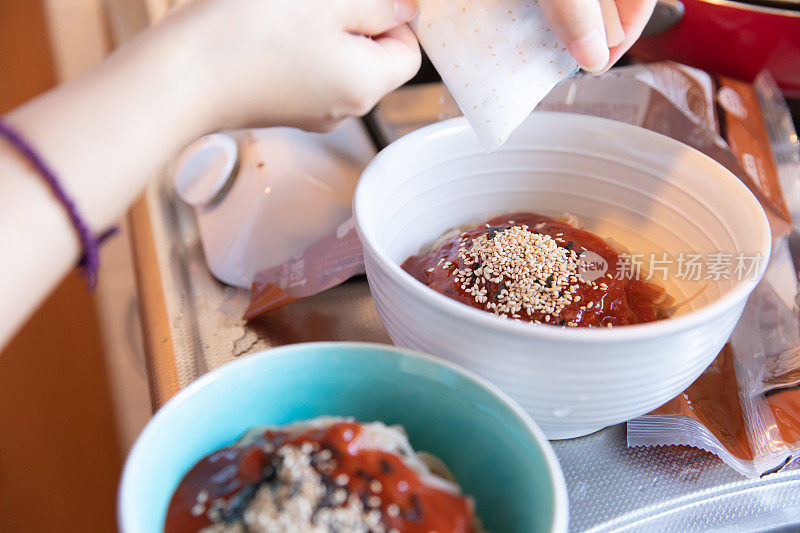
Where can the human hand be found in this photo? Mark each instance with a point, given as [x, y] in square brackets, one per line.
[303, 63]
[597, 33]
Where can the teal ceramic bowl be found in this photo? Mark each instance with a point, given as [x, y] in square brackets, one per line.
[496, 452]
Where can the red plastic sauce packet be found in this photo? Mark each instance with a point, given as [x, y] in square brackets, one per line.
[326, 264]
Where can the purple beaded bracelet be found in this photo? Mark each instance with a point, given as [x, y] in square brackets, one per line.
[90, 261]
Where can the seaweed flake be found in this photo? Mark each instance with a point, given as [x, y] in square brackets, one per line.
[363, 474]
[500, 287]
[415, 514]
[494, 231]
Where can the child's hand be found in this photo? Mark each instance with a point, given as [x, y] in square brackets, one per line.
[304, 63]
[598, 32]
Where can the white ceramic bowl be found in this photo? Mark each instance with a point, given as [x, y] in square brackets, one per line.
[646, 191]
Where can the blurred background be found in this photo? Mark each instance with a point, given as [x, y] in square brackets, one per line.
[73, 392]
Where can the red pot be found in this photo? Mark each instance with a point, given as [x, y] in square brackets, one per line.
[733, 38]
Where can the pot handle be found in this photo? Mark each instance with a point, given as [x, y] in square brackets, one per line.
[666, 15]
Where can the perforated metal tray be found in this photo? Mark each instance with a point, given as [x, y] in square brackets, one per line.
[611, 487]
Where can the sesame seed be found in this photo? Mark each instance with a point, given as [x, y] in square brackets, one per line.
[342, 479]
[533, 273]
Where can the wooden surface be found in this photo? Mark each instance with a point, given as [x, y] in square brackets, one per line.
[128, 17]
[161, 370]
[59, 454]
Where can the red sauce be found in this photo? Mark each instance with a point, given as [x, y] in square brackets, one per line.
[236, 473]
[626, 301]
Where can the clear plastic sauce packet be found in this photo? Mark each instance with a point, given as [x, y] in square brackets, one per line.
[733, 410]
[745, 408]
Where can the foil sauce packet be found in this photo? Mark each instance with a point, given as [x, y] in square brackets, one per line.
[498, 58]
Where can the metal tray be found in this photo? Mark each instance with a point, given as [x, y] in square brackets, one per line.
[611, 487]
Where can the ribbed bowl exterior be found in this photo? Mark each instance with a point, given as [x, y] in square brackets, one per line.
[644, 190]
[569, 390]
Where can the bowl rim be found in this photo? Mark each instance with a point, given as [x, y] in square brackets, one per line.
[460, 126]
[126, 513]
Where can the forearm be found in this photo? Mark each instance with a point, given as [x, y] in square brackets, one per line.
[105, 135]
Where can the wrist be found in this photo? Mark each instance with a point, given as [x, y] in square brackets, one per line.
[229, 74]
[109, 131]
[166, 59]
[196, 73]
